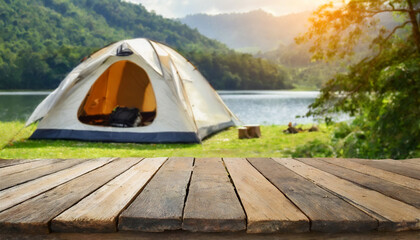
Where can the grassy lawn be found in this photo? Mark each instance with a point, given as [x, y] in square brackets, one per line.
[274, 143]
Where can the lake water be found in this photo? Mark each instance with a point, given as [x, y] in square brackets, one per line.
[19, 105]
[269, 107]
[252, 107]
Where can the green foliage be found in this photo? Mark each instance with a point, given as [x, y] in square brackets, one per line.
[231, 70]
[349, 141]
[296, 59]
[382, 89]
[42, 40]
[313, 149]
[354, 140]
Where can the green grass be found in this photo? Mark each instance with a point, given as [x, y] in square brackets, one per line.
[274, 143]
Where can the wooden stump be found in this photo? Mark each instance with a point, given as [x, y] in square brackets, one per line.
[254, 131]
[249, 131]
[243, 133]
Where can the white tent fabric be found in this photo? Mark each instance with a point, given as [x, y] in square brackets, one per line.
[187, 107]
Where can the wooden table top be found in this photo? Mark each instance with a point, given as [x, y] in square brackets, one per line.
[223, 195]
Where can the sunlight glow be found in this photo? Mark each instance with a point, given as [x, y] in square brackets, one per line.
[176, 9]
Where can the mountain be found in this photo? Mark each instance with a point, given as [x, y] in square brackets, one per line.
[251, 32]
[257, 30]
[42, 40]
[272, 38]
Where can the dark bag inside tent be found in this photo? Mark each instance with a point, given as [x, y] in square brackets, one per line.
[125, 117]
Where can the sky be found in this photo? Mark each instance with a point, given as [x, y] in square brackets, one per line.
[181, 8]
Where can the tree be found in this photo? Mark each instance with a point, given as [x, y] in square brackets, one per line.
[382, 88]
[43, 40]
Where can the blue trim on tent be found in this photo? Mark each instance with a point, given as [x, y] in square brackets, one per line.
[125, 137]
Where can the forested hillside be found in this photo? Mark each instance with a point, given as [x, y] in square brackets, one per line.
[304, 73]
[42, 40]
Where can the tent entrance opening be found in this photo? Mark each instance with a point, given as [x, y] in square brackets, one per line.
[123, 85]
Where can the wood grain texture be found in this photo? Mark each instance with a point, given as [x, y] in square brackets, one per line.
[34, 215]
[98, 211]
[212, 204]
[11, 162]
[327, 212]
[396, 166]
[160, 205]
[393, 215]
[15, 195]
[185, 235]
[390, 189]
[267, 209]
[23, 167]
[34, 173]
[379, 173]
[413, 161]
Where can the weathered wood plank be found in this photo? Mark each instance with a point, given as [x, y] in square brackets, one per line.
[98, 212]
[212, 204]
[17, 194]
[185, 235]
[413, 161]
[393, 215]
[21, 177]
[14, 169]
[386, 175]
[267, 209]
[160, 205]
[327, 212]
[406, 169]
[34, 215]
[11, 162]
[390, 189]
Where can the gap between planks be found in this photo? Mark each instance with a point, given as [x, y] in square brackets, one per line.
[11, 162]
[212, 204]
[326, 211]
[17, 194]
[379, 173]
[160, 205]
[387, 188]
[34, 173]
[393, 215]
[98, 212]
[35, 214]
[267, 209]
[399, 167]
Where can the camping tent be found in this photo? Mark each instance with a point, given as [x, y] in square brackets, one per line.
[176, 102]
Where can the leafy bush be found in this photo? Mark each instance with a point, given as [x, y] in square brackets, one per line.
[353, 140]
[357, 140]
[312, 149]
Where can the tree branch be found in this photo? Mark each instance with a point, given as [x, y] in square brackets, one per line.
[394, 10]
[381, 47]
[394, 30]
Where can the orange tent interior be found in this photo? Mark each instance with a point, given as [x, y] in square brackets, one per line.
[123, 84]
